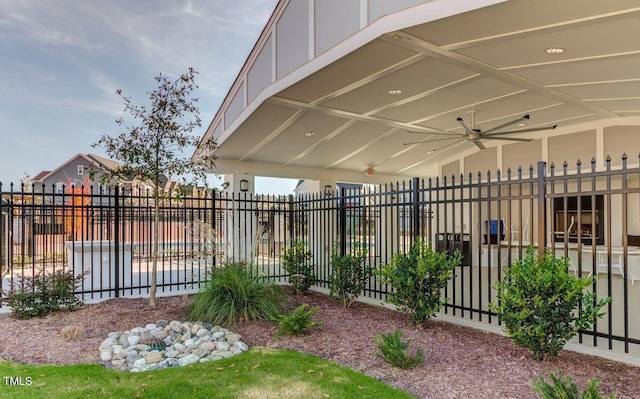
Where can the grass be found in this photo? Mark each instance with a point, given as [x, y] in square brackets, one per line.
[259, 373]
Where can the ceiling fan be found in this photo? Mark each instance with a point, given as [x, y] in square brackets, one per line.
[476, 135]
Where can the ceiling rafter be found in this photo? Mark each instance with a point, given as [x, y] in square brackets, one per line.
[362, 148]
[414, 43]
[350, 115]
[544, 28]
[290, 121]
[330, 136]
[371, 78]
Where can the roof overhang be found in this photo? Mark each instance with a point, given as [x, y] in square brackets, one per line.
[406, 76]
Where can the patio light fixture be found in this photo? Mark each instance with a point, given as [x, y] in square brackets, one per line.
[244, 185]
[328, 189]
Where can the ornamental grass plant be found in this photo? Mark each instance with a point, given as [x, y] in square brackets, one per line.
[235, 292]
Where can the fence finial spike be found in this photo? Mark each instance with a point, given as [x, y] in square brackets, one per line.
[593, 159]
[579, 162]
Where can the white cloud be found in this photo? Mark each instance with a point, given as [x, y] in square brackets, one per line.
[62, 61]
[188, 8]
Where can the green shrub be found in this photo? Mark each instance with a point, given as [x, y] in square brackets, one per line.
[394, 351]
[565, 388]
[538, 303]
[417, 279]
[298, 321]
[36, 296]
[296, 260]
[348, 276]
[233, 293]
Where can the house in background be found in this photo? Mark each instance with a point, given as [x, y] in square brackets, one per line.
[88, 170]
[79, 170]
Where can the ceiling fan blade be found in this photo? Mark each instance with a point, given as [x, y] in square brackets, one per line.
[431, 140]
[533, 129]
[460, 121]
[479, 144]
[493, 129]
[438, 133]
[508, 139]
[447, 146]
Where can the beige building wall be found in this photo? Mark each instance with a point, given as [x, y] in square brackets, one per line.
[620, 140]
[451, 169]
[571, 148]
[481, 162]
[521, 155]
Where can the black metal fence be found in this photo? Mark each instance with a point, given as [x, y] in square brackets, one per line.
[591, 216]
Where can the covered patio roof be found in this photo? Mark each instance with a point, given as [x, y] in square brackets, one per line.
[333, 88]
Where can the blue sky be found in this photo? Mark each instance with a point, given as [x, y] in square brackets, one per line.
[61, 62]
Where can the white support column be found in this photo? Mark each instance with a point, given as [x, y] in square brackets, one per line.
[321, 221]
[240, 218]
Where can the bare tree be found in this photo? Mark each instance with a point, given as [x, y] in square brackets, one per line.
[155, 146]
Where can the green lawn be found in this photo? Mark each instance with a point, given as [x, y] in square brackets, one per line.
[259, 373]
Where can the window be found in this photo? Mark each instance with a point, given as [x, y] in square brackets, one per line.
[59, 188]
[80, 170]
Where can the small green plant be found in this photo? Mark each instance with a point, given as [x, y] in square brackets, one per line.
[562, 387]
[298, 321]
[417, 279]
[296, 261]
[36, 296]
[348, 276]
[235, 292]
[542, 306]
[22, 259]
[393, 350]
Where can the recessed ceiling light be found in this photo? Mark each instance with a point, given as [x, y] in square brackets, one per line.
[310, 133]
[521, 124]
[554, 50]
[395, 91]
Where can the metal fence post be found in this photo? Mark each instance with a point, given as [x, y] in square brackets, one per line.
[116, 244]
[416, 208]
[343, 221]
[291, 221]
[542, 207]
[214, 243]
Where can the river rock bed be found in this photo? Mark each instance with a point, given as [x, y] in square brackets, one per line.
[169, 344]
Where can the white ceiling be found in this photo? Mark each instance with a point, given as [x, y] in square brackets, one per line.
[491, 61]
